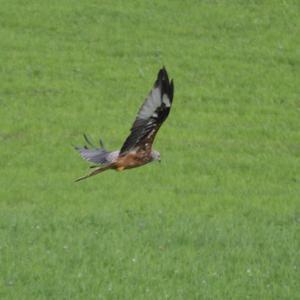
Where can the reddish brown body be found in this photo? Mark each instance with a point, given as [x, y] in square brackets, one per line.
[132, 160]
[129, 161]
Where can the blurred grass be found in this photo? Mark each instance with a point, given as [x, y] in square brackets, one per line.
[218, 219]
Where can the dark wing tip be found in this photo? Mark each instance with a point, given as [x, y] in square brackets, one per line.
[88, 141]
[163, 81]
[162, 75]
[171, 90]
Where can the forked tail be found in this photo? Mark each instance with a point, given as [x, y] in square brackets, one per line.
[95, 172]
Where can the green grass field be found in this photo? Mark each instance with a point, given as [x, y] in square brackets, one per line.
[219, 218]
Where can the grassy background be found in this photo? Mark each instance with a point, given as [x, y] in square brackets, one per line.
[218, 219]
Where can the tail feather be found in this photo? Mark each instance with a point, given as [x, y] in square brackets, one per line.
[95, 172]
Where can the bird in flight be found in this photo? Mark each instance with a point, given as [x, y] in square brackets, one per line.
[137, 148]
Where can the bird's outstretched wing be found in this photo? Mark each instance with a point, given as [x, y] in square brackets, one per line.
[92, 153]
[151, 115]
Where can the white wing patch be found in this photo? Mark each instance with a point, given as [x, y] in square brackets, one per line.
[152, 102]
[166, 100]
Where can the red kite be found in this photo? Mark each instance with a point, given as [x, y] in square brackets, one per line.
[137, 148]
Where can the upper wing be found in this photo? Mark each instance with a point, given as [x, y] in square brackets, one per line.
[151, 115]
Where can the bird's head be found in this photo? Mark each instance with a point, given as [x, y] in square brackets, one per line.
[155, 155]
